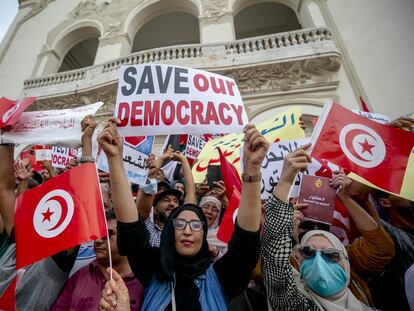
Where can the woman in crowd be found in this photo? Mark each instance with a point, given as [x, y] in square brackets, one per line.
[179, 275]
[324, 266]
[211, 207]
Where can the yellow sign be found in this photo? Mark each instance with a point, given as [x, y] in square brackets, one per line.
[283, 126]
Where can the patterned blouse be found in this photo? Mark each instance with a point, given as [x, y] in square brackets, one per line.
[276, 249]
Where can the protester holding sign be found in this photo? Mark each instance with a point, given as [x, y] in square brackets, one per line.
[183, 253]
[324, 263]
[164, 99]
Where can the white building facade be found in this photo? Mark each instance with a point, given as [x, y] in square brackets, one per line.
[280, 52]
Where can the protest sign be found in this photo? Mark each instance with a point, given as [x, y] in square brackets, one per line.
[194, 146]
[61, 156]
[135, 156]
[283, 126]
[51, 127]
[163, 99]
[43, 153]
[380, 118]
[273, 163]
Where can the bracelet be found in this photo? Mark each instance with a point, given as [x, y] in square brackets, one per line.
[84, 159]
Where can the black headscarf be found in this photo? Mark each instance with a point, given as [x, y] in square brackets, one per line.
[184, 266]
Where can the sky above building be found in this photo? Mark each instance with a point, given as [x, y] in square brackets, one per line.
[8, 10]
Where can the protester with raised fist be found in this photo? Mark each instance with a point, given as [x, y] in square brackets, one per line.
[179, 275]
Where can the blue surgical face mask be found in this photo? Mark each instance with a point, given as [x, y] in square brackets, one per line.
[324, 277]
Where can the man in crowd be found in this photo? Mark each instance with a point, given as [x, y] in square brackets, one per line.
[84, 288]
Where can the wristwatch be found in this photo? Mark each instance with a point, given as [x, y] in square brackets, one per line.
[84, 159]
[248, 178]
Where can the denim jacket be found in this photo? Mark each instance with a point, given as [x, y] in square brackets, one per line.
[212, 297]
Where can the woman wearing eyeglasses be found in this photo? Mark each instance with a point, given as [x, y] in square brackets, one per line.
[324, 275]
[179, 274]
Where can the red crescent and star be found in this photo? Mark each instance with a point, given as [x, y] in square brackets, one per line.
[366, 147]
[64, 206]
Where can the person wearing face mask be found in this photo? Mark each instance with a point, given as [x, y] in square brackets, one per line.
[324, 271]
[179, 275]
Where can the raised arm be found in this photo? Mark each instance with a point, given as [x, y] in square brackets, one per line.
[375, 248]
[361, 218]
[23, 173]
[234, 269]
[7, 185]
[111, 143]
[276, 243]
[254, 151]
[88, 126]
[190, 190]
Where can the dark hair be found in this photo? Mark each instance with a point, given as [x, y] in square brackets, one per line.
[110, 214]
[379, 194]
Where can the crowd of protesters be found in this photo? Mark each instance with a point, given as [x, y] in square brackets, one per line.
[165, 251]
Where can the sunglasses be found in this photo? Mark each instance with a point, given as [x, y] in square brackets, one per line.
[195, 225]
[330, 254]
[310, 225]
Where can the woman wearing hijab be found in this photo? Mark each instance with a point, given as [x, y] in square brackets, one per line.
[324, 269]
[211, 207]
[179, 274]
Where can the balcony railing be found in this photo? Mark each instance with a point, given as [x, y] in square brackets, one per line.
[269, 48]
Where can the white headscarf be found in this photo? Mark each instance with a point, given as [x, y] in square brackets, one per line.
[217, 203]
[345, 300]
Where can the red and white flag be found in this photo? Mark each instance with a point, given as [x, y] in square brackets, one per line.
[10, 110]
[376, 152]
[8, 298]
[61, 213]
[226, 228]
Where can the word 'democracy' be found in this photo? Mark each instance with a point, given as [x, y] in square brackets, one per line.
[162, 99]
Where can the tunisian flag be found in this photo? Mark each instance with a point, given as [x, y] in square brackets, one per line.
[61, 213]
[226, 228]
[230, 175]
[10, 110]
[376, 152]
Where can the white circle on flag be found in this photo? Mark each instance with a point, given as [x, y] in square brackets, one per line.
[53, 213]
[236, 212]
[8, 114]
[362, 145]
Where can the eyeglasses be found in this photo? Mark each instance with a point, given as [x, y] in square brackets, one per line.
[195, 225]
[310, 225]
[331, 254]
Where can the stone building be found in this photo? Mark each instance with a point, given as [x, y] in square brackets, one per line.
[280, 52]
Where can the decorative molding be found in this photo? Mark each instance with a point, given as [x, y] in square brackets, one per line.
[105, 94]
[215, 10]
[284, 76]
[113, 9]
[114, 34]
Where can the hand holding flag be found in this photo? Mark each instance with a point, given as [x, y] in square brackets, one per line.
[376, 152]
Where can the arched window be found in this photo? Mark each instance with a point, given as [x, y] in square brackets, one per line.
[264, 18]
[168, 29]
[81, 55]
